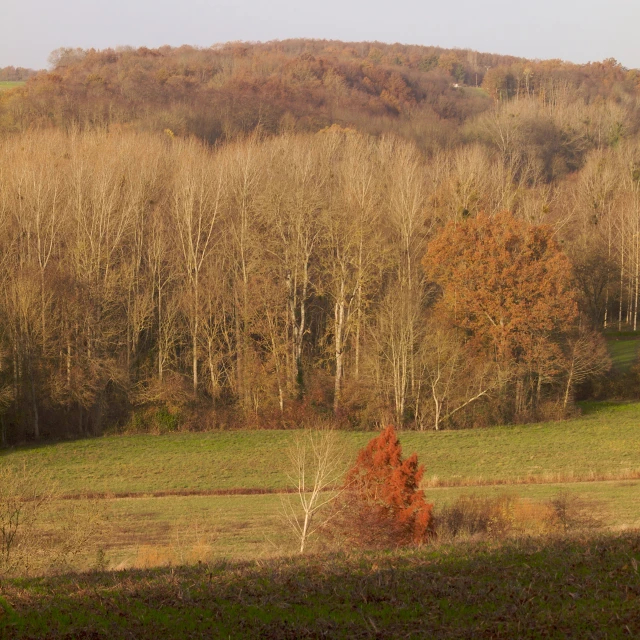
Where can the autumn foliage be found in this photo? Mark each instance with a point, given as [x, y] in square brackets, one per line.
[503, 281]
[229, 90]
[507, 285]
[385, 503]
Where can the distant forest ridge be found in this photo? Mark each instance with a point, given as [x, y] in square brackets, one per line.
[422, 93]
[16, 74]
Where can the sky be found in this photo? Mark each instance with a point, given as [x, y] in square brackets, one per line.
[573, 30]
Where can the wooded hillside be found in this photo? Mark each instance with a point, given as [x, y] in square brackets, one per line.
[265, 234]
[301, 85]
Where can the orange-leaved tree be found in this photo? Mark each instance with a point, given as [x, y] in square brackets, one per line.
[508, 285]
[385, 504]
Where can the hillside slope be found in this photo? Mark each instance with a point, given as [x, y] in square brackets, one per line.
[231, 89]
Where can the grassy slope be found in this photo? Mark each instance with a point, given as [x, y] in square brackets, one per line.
[9, 84]
[149, 531]
[606, 441]
[519, 589]
[524, 589]
[624, 351]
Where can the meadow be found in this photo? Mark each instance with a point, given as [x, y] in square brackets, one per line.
[604, 443]
[179, 497]
[190, 539]
[10, 84]
[146, 532]
[623, 349]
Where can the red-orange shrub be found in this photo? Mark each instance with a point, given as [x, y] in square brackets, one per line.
[385, 504]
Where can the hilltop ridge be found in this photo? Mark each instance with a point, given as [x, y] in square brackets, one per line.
[421, 92]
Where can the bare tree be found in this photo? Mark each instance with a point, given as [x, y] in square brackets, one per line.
[244, 171]
[395, 338]
[402, 302]
[290, 209]
[197, 193]
[587, 357]
[352, 249]
[317, 467]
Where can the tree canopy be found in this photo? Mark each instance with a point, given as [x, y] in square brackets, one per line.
[505, 282]
[509, 286]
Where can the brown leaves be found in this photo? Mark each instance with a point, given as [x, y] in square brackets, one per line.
[506, 283]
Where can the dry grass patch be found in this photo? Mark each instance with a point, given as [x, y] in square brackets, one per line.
[212, 528]
[34, 537]
[508, 514]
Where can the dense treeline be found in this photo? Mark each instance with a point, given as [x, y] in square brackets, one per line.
[271, 279]
[292, 270]
[223, 92]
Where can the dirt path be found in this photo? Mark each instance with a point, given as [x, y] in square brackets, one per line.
[428, 484]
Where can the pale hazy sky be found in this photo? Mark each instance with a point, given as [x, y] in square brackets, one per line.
[575, 30]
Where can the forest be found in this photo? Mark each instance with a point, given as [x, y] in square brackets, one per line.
[15, 74]
[264, 235]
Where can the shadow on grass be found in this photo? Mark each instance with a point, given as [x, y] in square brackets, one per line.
[559, 588]
[591, 407]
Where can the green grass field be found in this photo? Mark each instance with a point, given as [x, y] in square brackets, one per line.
[223, 565]
[476, 90]
[535, 588]
[9, 84]
[604, 442]
[535, 462]
[624, 351]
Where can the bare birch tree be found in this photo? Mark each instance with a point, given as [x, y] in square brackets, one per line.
[317, 466]
[196, 202]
